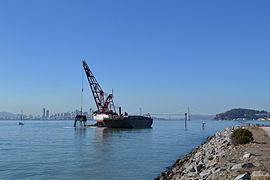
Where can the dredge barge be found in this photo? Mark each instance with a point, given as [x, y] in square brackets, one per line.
[105, 115]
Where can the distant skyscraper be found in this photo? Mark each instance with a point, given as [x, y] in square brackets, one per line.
[43, 115]
[47, 114]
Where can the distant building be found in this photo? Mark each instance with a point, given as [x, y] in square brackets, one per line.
[43, 115]
[47, 114]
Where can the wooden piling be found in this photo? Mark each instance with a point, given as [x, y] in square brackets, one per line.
[185, 120]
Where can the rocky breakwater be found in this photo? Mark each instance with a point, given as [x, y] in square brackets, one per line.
[208, 161]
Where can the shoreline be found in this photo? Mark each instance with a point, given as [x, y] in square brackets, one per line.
[217, 158]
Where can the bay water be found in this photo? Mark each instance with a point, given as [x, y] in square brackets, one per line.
[55, 150]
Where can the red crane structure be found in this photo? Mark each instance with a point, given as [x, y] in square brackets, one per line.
[105, 105]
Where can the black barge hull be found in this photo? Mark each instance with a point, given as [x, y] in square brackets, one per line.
[129, 122]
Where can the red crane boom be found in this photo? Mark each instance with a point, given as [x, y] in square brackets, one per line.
[104, 106]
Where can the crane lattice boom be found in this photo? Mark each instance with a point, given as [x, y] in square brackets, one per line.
[103, 105]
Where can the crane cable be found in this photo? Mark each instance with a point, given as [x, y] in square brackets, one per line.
[82, 93]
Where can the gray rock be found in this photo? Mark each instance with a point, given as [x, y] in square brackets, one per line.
[211, 163]
[186, 165]
[210, 157]
[175, 170]
[259, 173]
[190, 168]
[197, 160]
[244, 176]
[247, 165]
[205, 161]
[192, 174]
[236, 166]
[222, 153]
[218, 169]
[176, 177]
[198, 154]
[246, 156]
[242, 165]
[205, 173]
[199, 167]
[212, 169]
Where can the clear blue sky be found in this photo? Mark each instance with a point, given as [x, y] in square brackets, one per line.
[160, 55]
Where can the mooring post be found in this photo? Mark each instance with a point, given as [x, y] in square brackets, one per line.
[185, 120]
[75, 122]
[203, 123]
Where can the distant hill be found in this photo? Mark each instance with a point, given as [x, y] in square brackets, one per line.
[8, 115]
[242, 114]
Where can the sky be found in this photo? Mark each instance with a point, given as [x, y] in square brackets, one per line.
[159, 55]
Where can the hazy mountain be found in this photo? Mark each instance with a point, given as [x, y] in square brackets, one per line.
[8, 115]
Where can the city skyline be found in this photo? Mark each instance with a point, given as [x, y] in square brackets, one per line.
[160, 56]
[45, 115]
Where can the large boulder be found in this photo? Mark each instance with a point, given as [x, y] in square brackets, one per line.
[199, 167]
[244, 176]
[242, 165]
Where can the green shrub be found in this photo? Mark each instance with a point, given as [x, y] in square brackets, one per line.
[241, 136]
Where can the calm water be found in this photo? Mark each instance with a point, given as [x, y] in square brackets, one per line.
[53, 150]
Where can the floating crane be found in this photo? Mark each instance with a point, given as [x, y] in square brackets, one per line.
[105, 115]
[105, 105]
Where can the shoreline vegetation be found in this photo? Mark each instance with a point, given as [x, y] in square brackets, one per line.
[218, 159]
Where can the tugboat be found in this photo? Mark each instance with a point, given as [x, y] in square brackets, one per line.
[105, 115]
[20, 123]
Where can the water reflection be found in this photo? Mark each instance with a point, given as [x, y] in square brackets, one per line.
[105, 135]
[98, 133]
[203, 125]
[101, 144]
[80, 132]
[102, 134]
